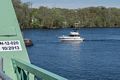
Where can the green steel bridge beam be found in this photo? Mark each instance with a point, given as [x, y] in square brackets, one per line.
[12, 47]
[3, 76]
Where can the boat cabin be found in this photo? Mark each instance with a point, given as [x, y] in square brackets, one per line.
[74, 34]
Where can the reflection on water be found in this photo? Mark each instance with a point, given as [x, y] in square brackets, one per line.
[71, 42]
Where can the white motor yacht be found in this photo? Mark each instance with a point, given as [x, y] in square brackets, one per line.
[73, 36]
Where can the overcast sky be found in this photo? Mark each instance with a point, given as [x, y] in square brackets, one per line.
[72, 4]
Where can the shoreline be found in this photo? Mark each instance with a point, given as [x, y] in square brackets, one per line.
[68, 28]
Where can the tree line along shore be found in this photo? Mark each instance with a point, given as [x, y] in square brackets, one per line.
[50, 18]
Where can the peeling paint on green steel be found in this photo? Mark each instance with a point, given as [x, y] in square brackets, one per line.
[9, 30]
[22, 67]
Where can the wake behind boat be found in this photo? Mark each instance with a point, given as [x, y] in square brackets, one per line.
[73, 36]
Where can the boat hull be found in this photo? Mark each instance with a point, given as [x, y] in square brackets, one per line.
[67, 38]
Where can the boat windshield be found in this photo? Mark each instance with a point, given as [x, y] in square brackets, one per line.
[74, 35]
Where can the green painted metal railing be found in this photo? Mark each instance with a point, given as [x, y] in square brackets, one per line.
[23, 70]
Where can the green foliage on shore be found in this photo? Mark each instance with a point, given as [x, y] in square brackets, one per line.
[44, 17]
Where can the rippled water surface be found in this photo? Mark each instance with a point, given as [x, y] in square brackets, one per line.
[96, 58]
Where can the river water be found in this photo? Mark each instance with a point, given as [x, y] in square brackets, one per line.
[96, 58]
